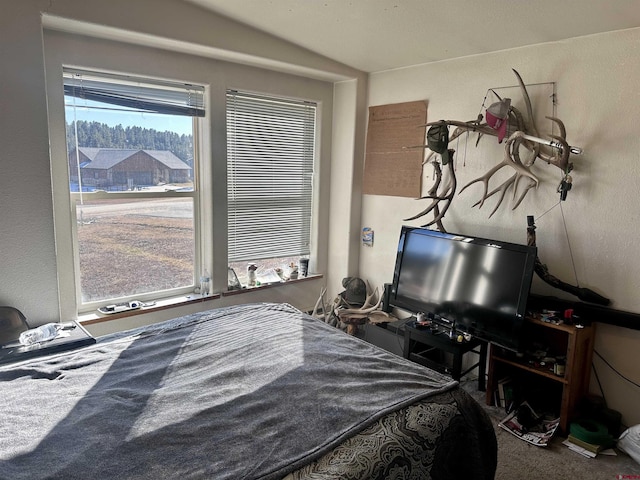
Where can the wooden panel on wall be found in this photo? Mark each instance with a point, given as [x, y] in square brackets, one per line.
[391, 168]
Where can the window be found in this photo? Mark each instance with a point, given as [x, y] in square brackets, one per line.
[270, 160]
[133, 185]
[139, 227]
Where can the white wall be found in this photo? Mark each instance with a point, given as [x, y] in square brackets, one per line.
[119, 32]
[599, 102]
[27, 250]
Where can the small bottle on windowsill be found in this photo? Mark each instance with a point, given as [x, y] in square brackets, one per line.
[205, 279]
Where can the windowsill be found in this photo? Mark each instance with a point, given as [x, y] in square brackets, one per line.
[173, 302]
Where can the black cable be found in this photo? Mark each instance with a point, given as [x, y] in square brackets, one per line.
[593, 365]
[566, 234]
[616, 371]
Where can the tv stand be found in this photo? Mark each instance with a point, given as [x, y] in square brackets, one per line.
[426, 346]
[561, 391]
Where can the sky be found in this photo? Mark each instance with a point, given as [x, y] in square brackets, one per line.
[117, 115]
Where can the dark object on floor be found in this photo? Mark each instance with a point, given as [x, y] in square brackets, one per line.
[595, 408]
[525, 417]
[12, 324]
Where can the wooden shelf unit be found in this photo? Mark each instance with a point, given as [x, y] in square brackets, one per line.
[576, 344]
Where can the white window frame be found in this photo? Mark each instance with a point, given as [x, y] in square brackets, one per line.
[202, 259]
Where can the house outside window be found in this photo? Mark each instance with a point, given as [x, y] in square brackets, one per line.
[125, 169]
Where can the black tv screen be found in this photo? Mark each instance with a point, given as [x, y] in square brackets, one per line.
[478, 284]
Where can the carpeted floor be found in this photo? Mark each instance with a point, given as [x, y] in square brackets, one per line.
[518, 459]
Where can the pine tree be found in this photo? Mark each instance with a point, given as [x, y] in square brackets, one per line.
[101, 135]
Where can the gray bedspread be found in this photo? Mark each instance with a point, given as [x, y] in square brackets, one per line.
[246, 392]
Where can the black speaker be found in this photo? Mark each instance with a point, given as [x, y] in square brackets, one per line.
[386, 297]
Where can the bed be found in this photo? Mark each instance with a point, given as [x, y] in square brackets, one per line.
[256, 391]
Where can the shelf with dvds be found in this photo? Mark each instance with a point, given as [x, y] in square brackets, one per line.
[554, 369]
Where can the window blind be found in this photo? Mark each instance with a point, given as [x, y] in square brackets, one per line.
[139, 94]
[270, 156]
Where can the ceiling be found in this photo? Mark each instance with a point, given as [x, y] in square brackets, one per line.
[376, 35]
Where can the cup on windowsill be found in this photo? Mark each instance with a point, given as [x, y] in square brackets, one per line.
[304, 267]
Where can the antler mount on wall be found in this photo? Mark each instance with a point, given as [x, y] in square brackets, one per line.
[522, 147]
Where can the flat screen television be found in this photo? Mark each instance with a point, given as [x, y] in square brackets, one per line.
[480, 285]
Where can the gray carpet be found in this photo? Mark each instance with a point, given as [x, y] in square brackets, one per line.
[519, 459]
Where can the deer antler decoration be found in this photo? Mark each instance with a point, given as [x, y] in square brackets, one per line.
[521, 149]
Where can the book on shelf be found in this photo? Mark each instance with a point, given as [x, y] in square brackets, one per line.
[505, 393]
